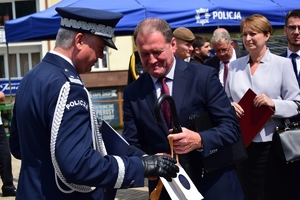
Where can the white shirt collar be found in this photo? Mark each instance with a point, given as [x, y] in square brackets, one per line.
[170, 74]
[289, 52]
[233, 57]
[62, 56]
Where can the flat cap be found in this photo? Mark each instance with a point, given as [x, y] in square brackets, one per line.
[184, 34]
[97, 22]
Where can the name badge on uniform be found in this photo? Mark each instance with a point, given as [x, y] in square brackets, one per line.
[73, 79]
[75, 103]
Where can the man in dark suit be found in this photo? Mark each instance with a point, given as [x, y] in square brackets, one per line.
[195, 90]
[225, 53]
[292, 32]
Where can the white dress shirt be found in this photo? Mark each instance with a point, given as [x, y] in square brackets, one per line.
[170, 77]
[221, 71]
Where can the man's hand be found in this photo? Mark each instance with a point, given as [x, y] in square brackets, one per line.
[163, 166]
[186, 141]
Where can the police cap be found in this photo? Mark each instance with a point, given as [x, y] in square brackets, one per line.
[97, 22]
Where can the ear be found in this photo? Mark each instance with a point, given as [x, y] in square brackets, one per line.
[79, 40]
[267, 35]
[173, 44]
[284, 30]
[197, 50]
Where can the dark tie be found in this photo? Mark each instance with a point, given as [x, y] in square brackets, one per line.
[165, 107]
[293, 56]
[225, 73]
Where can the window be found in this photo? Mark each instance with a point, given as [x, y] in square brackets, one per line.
[21, 59]
[22, 8]
[21, 63]
[102, 63]
[2, 75]
[12, 62]
[5, 12]
[24, 63]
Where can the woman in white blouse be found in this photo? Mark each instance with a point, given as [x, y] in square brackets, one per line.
[271, 77]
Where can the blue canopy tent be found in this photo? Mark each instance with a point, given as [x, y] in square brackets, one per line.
[45, 24]
[199, 15]
[205, 15]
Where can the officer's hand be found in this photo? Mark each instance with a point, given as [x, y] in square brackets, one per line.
[163, 166]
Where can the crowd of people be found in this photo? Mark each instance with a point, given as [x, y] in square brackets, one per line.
[273, 78]
[55, 132]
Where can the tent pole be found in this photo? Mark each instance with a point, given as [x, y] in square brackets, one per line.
[9, 79]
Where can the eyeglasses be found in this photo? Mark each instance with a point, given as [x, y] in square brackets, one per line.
[293, 28]
[222, 51]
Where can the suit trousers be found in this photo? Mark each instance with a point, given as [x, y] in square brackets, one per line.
[5, 162]
[264, 176]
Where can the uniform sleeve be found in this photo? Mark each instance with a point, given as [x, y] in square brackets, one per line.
[78, 161]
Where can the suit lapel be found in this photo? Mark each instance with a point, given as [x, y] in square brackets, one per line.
[179, 83]
[149, 92]
[216, 63]
[284, 54]
[150, 96]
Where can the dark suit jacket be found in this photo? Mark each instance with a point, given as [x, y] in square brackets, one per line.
[284, 54]
[195, 90]
[215, 61]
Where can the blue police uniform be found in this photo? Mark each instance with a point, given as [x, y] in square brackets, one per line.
[53, 133]
[32, 121]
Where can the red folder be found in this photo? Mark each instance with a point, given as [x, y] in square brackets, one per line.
[254, 117]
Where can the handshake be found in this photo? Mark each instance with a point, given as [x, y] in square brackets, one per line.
[162, 166]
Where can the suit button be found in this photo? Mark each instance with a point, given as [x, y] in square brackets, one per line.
[132, 182]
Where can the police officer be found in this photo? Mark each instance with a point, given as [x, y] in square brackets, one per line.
[54, 128]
